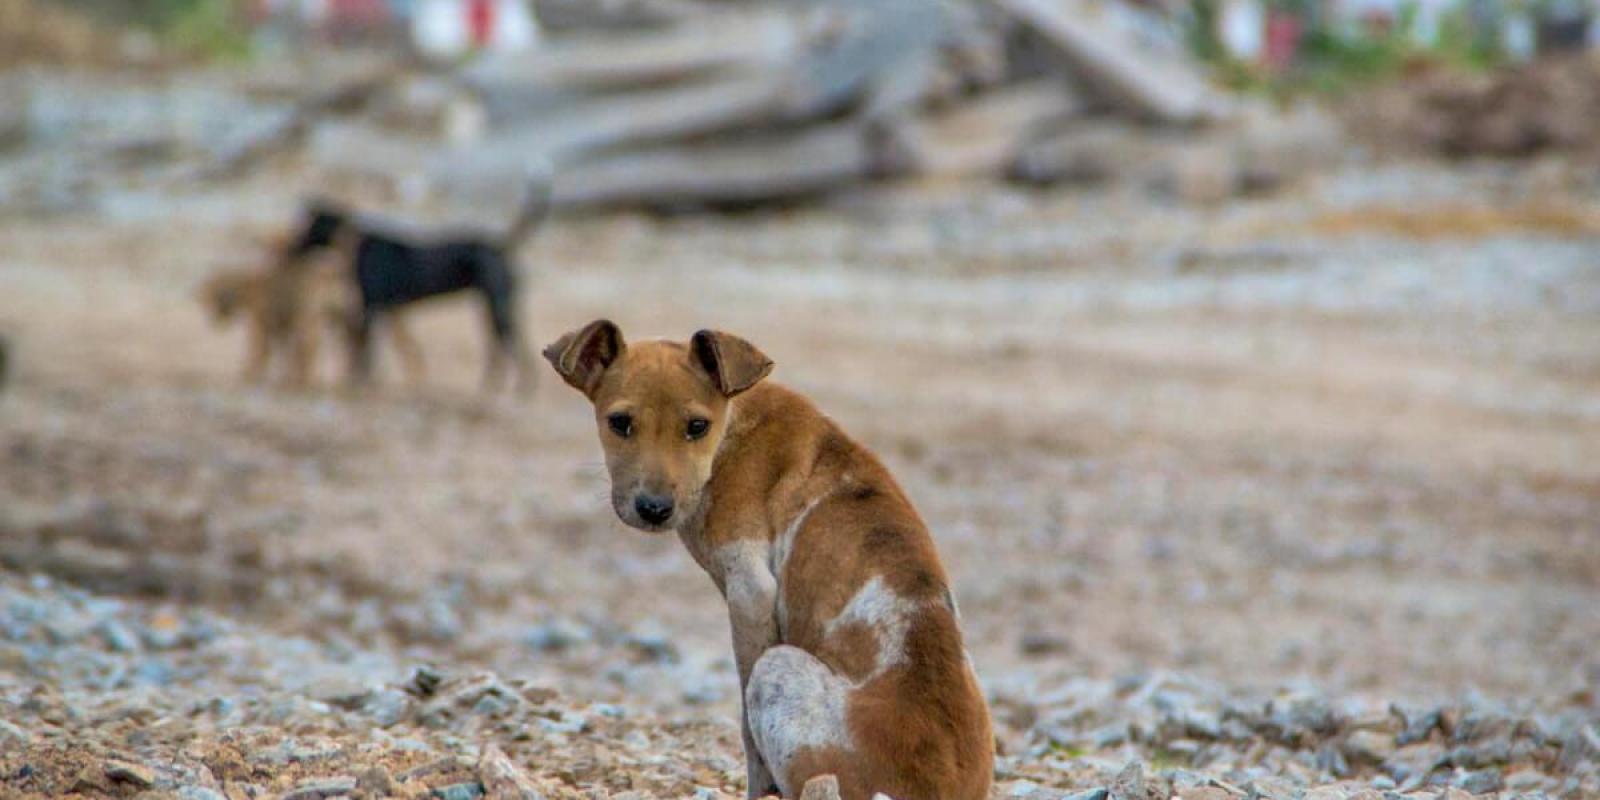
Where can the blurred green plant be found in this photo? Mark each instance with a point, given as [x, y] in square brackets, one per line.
[206, 28]
[1334, 59]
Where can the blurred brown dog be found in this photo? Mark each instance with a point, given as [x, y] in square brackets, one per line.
[287, 303]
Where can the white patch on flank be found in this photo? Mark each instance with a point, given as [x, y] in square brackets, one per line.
[886, 613]
[780, 558]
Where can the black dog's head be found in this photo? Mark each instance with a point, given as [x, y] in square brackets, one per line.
[323, 219]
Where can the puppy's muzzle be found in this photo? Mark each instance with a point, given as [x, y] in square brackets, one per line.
[652, 509]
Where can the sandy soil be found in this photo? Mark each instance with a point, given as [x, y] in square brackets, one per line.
[1242, 445]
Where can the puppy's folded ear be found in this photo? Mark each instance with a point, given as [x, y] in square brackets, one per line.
[733, 363]
[583, 355]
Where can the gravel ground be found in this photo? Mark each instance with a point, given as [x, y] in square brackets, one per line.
[1236, 503]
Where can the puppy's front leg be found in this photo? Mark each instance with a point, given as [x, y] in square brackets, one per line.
[752, 594]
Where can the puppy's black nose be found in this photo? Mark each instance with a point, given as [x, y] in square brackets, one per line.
[654, 510]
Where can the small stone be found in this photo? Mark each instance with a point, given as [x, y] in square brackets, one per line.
[1023, 789]
[387, 707]
[1129, 783]
[822, 787]
[1203, 793]
[557, 635]
[339, 691]
[459, 791]
[1480, 782]
[1371, 747]
[321, 788]
[1040, 643]
[1091, 794]
[118, 637]
[1418, 725]
[1273, 789]
[653, 643]
[1528, 780]
[376, 781]
[200, 793]
[11, 734]
[132, 774]
[1582, 746]
[503, 779]
[424, 682]
[1324, 793]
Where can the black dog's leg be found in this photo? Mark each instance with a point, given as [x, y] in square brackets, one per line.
[503, 343]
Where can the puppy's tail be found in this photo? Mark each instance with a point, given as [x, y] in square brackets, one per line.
[535, 207]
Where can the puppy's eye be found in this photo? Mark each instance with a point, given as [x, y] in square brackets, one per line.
[697, 428]
[621, 424]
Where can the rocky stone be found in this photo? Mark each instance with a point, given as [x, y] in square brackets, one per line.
[320, 788]
[199, 793]
[502, 778]
[136, 775]
[375, 781]
[1129, 783]
[1581, 746]
[1418, 724]
[12, 735]
[119, 637]
[1042, 643]
[1528, 780]
[1203, 793]
[1273, 789]
[651, 642]
[557, 635]
[1479, 782]
[387, 706]
[470, 790]
[1369, 746]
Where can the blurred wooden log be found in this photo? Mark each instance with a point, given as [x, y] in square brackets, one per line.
[705, 107]
[1259, 151]
[743, 39]
[237, 153]
[1090, 153]
[360, 148]
[729, 172]
[983, 137]
[1151, 84]
[569, 15]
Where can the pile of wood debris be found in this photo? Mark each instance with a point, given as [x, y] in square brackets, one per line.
[1552, 105]
[32, 32]
[723, 104]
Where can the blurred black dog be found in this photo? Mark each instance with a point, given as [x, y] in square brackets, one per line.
[392, 271]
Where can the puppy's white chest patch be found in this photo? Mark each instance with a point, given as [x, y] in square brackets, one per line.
[883, 612]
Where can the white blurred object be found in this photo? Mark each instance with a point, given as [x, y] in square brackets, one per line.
[1241, 26]
[313, 12]
[451, 28]
[1519, 37]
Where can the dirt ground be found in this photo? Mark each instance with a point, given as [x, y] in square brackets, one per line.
[1261, 448]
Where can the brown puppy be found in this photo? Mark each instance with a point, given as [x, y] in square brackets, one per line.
[286, 305]
[844, 629]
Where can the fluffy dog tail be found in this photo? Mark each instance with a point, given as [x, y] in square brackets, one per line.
[535, 207]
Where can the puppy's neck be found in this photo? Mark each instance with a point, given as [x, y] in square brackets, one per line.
[756, 463]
